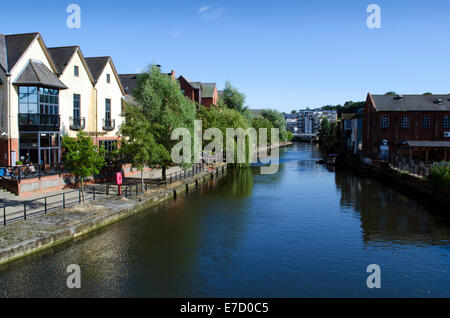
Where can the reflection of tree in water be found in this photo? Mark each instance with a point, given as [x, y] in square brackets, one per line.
[387, 216]
[238, 183]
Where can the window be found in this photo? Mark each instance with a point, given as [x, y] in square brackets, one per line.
[109, 145]
[28, 98]
[76, 106]
[406, 122]
[108, 78]
[76, 71]
[384, 121]
[107, 110]
[446, 122]
[35, 102]
[425, 121]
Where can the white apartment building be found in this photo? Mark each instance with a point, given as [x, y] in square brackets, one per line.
[46, 93]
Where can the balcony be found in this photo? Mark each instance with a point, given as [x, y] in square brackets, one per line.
[77, 123]
[109, 124]
[38, 122]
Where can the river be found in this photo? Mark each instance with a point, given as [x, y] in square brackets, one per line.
[306, 231]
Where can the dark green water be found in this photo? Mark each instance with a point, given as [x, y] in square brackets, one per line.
[303, 232]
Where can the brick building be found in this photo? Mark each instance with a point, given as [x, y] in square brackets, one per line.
[417, 126]
[205, 94]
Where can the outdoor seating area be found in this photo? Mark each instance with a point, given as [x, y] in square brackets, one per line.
[30, 171]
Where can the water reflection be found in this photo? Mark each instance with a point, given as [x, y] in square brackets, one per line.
[388, 216]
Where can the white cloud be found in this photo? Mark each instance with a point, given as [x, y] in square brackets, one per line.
[203, 9]
[210, 13]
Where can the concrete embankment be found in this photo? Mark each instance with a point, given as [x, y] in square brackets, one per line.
[33, 235]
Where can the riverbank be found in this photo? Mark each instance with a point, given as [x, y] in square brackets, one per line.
[33, 235]
[414, 186]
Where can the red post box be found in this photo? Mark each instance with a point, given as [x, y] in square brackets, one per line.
[119, 182]
[118, 178]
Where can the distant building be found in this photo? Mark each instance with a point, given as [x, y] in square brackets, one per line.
[417, 126]
[308, 122]
[205, 94]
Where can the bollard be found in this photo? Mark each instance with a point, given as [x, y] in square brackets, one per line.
[45, 205]
[4, 215]
[24, 210]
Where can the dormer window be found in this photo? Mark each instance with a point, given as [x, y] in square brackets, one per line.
[108, 78]
[76, 71]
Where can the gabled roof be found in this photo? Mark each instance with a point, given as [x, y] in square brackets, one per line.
[129, 82]
[208, 90]
[16, 45]
[61, 56]
[196, 85]
[97, 65]
[411, 102]
[36, 73]
[3, 58]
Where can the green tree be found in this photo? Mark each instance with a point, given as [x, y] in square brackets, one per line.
[427, 94]
[277, 120]
[223, 118]
[138, 147]
[82, 158]
[261, 122]
[233, 99]
[166, 108]
[391, 93]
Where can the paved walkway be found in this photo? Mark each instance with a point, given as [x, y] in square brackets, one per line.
[38, 203]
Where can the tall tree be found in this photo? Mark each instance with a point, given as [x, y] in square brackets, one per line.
[277, 120]
[166, 108]
[138, 146]
[82, 158]
[233, 99]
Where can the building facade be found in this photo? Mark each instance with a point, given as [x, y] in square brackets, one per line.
[417, 126]
[46, 93]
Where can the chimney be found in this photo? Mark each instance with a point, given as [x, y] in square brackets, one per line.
[172, 74]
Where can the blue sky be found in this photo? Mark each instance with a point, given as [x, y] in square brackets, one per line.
[281, 54]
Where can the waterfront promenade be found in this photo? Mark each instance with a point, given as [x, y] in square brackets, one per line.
[54, 200]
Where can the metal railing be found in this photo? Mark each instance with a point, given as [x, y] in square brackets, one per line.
[31, 171]
[38, 171]
[31, 121]
[77, 123]
[23, 210]
[109, 124]
[412, 166]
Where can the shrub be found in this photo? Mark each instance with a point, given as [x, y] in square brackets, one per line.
[440, 175]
